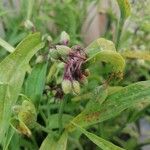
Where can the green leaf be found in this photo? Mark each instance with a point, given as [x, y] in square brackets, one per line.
[99, 45]
[100, 142]
[35, 83]
[48, 143]
[20, 127]
[113, 105]
[111, 57]
[51, 143]
[54, 122]
[125, 8]
[136, 55]
[89, 95]
[12, 73]
[104, 50]
[100, 94]
[30, 4]
[7, 46]
[62, 143]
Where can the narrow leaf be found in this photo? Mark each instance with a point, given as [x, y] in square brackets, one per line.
[113, 105]
[125, 8]
[6, 46]
[35, 83]
[145, 55]
[48, 143]
[100, 142]
[54, 120]
[12, 73]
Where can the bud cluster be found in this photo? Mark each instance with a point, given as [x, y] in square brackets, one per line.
[74, 73]
[74, 58]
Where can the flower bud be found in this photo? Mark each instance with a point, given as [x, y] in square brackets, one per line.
[64, 38]
[53, 53]
[84, 80]
[63, 50]
[76, 87]
[28, 24]
[47, 37]
[86, 72]
[66, 86]
[39, 59]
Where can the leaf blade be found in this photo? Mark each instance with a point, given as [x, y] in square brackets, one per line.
[111, 57]
[51, 143]
[99, 45]
[125, 8]
[145, 55]
[114, 104]
[7, 46]
[104, 50]
[35, 83]
[100, 142]
[12, 72]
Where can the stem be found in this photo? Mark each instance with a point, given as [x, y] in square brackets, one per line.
[37, 125]
[120, 28]
[60, 115]
[43, 116]
[34, 142]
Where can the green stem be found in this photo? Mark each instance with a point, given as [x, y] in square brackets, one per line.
[43, 116]
[60, 115]
[37, 125]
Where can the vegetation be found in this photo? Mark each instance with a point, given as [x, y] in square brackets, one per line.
[58, 93]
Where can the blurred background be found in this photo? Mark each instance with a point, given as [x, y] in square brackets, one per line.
[84, 20]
